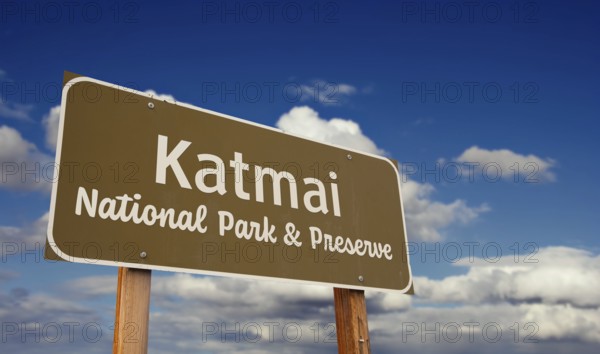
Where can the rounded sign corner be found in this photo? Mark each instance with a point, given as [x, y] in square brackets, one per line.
[408, 289]
[67, 85]
[394, 164]
[59, 253]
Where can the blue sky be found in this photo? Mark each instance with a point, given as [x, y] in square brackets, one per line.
[500, 83]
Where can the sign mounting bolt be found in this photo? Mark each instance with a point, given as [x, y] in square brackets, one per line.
[349, 157]
[361, 278]
[151, 105]
[143, 254]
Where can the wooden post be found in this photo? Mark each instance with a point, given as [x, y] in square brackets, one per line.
[351, 321]
[133, 308]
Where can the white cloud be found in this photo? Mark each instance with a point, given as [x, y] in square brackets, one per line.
[23, 166]
[326, 93]
[42, 323]
[561, 275]
[50, 122]
[93, 286]
[385, 302]
[12, 110]
[186, 305]
[564, 322]
[161, 96]
[305, 121]
[499, 328]
[227, 295]
[346, 89]
[15, 111]
[531, 168]
[555, 299]
[12, 144]
[29, 237]
[490, 293]
[257, 311]
[426, 217]
[225, 315]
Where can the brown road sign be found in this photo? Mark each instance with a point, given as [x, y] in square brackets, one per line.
[146, 183]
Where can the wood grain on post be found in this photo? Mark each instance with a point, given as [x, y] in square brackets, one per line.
[133, 309]
[351, 321]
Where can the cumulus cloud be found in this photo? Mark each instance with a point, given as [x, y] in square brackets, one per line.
[161, 96]
[269, 316]
[13, 144]
[15, 111]
[426, 217]
[259, 315]
[225, 315]
[18, 158]
[501, 328]
[31, 236]
[306, 122]
[93, 286]
[227, 295]
[42, 323]
[248, 316]
[50, 122]
[541, 303]
[327, 93]
[507, 164]
[554, 275]
[385, 302]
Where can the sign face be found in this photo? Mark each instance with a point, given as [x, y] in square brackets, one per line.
[146, 183]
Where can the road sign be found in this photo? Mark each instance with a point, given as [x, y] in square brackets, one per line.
[147, 183]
